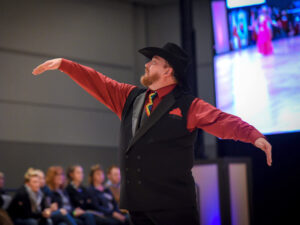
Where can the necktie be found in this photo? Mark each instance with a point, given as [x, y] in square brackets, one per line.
[149, 105]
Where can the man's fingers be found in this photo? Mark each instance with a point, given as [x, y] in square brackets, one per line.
[269, 155]
[267, 148]
[41, 68]
[52, 64]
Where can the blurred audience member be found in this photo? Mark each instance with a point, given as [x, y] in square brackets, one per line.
[44, 188]
[55, 181]
[80, 198]
[5, 198]
[103, 198]
[28, 206]
[114, 182]
[4, 201]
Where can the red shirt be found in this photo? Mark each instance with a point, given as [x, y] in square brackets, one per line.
[201, 114]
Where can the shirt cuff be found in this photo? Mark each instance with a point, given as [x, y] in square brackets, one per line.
[65, 65]
[255, 134]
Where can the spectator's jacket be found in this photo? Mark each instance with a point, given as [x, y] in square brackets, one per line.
[79, 197]
[103, 201]
[20, 206]
[55, 197]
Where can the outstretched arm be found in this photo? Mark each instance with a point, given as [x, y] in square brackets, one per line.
[108, 91]
[226, 126]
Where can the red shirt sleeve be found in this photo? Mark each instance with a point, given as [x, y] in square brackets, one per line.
[223, 125]
[108, 91]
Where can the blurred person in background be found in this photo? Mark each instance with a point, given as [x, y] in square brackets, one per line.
[55, 180]
[103, 198]
[80, 197]
[114, 181]
[28, 206]
[45, 189]
[5, 198]
[4, 202]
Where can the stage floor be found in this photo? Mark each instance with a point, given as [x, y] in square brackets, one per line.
[263, 90]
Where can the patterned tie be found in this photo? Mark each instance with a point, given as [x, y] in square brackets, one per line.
[149, 105]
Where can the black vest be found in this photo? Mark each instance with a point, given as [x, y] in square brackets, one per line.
[156, 161]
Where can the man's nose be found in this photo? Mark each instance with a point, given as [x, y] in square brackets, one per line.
[147, 64]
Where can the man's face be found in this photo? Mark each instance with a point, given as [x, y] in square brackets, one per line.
[98, 177]
[34, 183]
[115, 176]
[154, 71]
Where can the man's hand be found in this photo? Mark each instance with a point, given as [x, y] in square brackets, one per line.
[52, 64]
[264, 145]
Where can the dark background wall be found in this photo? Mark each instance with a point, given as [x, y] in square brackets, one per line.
[16, 157]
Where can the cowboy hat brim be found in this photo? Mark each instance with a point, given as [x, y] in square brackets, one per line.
[149, 52]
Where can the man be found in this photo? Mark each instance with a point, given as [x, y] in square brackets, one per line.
[114, 180]
[158, 130]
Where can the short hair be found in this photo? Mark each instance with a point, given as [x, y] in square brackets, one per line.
[51, 173]
[93, 169]
[111, 168]
[31, 172]
[40, 172]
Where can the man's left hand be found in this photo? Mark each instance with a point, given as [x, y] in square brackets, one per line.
[264, 145]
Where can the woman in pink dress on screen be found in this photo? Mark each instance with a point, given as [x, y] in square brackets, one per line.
[264, 34]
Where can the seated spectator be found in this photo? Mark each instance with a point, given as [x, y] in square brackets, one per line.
[103, 198]
[80, 198]
[4, 202]
[44, 188]
[114, 181]
[56, 182]
[5, 198]
[28, 206]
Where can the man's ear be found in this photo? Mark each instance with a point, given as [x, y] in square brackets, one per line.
[169, 71]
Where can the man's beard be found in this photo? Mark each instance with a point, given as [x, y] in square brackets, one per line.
[147, 79]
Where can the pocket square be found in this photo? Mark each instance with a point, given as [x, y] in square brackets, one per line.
[176, 112]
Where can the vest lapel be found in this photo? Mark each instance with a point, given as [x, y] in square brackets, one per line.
[160, 110]
[138, 106]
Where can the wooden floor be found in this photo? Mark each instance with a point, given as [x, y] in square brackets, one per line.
[262, 90]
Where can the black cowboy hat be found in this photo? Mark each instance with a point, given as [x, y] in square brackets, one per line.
[174, 55]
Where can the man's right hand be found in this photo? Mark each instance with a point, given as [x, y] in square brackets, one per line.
[52, 64]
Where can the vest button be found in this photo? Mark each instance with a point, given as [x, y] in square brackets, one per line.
[138, 157]
[139, 182]
[139, 169]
